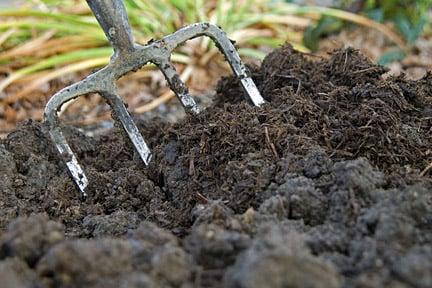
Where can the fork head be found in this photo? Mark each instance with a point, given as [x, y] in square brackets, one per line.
[129, 56]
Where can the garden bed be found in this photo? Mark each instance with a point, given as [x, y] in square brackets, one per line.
[327, 185]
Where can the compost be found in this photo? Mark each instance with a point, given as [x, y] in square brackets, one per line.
[329, 184]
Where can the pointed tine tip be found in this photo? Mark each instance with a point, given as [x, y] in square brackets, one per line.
[252, 91]
[147, 158]
[195, 109]
[78, 175]
[83, 195]
[82, 185]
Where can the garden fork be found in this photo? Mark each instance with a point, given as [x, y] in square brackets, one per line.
[129, 56]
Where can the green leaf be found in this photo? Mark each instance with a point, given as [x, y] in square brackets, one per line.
[410, 31]
[311, 38]
[376, 15]
[325, 26]
[252, 53]
[419, 27]
[391, 56]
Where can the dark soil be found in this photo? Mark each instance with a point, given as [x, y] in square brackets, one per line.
[324, 186]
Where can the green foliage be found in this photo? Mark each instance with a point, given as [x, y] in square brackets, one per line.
[253, 24]
[411, 10]
[325, 25]
[44, 35]
[391, 56]
[409, 17]
[410, 31]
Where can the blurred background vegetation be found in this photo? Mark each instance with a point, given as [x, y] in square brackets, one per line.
[48, 44]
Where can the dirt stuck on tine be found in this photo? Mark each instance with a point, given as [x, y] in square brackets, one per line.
[326, 185]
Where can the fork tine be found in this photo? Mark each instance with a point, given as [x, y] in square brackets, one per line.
[65, 151]
[57, 137]
[129, 126]
[77, 173]
[225, 46]
[179, 88]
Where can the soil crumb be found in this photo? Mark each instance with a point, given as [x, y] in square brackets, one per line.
[326, 185]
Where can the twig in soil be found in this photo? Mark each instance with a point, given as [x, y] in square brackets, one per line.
[202, 198]
[346, 60]
[191, 166]
[271, 145]
[364, 70]
[426, 170]
[292, 77]
[298, 87]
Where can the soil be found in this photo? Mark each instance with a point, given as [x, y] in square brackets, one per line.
[327, 185]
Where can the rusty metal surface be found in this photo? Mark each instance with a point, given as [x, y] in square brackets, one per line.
[129, 56]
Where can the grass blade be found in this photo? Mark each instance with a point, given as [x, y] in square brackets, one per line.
[55, 60]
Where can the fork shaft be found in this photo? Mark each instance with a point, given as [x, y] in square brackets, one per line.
[112, 17]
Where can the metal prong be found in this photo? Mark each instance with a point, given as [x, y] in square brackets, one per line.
[66, 153]
[252, 91]
[129, 126]
[57, 136]
[179, 88]
[71, 161]
[226, 47]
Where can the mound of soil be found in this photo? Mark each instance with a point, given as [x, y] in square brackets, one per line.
[327, 185]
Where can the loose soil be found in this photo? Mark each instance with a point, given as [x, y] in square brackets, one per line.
[326, 185]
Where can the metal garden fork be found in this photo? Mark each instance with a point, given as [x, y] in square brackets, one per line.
[129, 56]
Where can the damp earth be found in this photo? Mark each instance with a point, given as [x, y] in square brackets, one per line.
[329, 184]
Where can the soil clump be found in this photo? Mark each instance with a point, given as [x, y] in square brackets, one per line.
[326, 185]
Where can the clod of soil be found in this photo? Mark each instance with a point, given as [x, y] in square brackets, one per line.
[326, 185]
